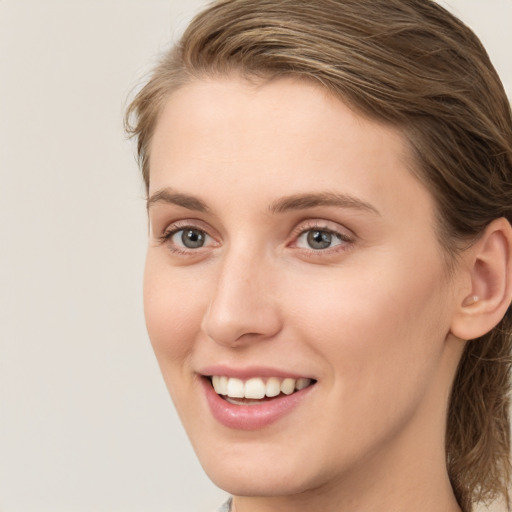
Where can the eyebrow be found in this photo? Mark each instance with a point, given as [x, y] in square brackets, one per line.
[168, 196]
[305, 201]
[282, 205]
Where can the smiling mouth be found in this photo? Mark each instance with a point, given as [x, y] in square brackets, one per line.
[256, 390]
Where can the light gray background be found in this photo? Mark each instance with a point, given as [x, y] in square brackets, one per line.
[85, 420]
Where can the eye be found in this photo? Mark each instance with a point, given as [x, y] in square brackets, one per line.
[182, 239]
[316, 239]
[191, 238]
[320, 239]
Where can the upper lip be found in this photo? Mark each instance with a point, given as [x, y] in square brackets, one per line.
[248, 372]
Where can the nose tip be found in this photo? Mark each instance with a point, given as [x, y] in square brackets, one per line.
[242, 309]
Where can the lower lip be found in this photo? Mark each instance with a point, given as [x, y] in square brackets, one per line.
[251, 417]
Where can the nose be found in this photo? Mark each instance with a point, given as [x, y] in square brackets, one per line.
[243, 304]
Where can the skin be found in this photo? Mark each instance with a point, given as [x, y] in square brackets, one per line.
[368, 318]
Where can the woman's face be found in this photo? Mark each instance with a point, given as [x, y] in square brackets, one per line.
[291, 248]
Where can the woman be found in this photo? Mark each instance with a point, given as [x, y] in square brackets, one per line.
[328, 276]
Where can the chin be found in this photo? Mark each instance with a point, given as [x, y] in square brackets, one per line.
[262, 472]
[259, 482]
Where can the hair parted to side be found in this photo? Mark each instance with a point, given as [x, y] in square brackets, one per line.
[412, 64]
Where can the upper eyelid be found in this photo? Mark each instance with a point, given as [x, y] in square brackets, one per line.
[323, 225]
[177, 225]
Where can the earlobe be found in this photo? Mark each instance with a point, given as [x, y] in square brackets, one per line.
[489, 264]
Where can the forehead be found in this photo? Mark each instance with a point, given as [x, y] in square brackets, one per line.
[290, 135]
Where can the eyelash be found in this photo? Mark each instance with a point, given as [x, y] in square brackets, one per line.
[166, 237]
[344, 239]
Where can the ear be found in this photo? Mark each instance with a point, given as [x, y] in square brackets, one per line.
[486, 292]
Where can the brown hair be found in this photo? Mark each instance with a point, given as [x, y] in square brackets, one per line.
[412, 64]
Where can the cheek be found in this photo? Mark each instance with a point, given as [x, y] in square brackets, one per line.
[382, 339]
[173, 309]
[381, 327]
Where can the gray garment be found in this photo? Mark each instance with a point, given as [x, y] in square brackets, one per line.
[226, 507]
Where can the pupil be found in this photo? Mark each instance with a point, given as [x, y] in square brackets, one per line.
[192, 238]
[319, 239]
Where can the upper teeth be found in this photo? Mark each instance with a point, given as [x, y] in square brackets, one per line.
[256, 387]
